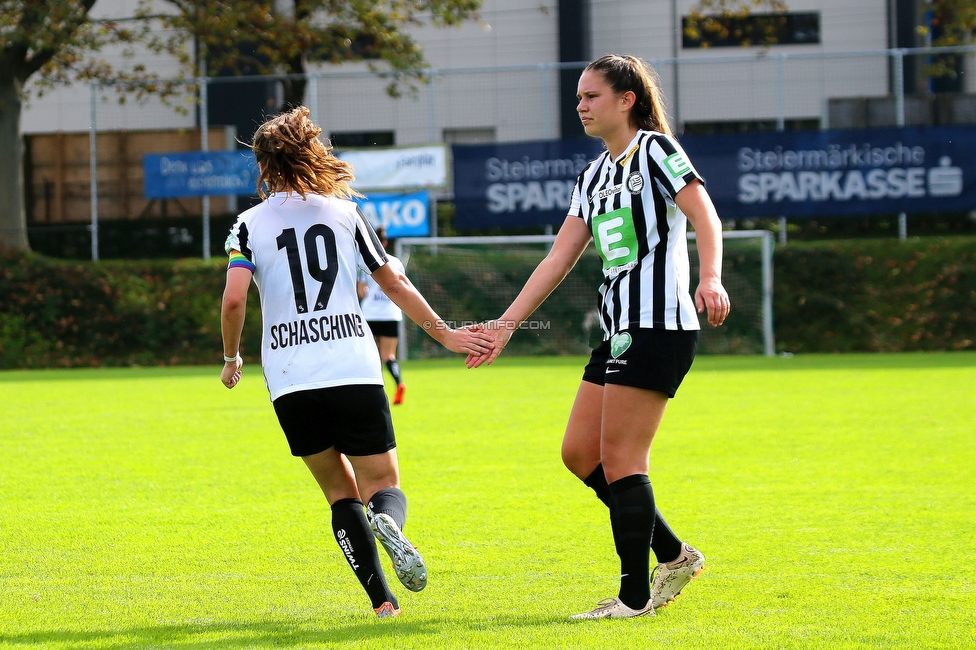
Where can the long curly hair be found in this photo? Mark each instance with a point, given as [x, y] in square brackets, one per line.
[292, 157]
[626, 72]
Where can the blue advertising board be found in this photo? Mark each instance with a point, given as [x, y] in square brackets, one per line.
[199, 173]
[788, 173]
[403, 215]
[520, 184]
[837, 173]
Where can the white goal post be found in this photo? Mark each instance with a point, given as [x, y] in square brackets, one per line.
[404, 247]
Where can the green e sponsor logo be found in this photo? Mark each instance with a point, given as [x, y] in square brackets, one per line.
[677, 165]
[615, 237]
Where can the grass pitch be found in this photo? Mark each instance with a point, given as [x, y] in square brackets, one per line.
[832, 495]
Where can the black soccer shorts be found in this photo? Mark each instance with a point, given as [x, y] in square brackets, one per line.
[653, 359]
[354, 419]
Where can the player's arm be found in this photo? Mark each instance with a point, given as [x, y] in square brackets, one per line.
[232, 310]
[397, 286]
[694, 201]
[571, 241]
[361, 290]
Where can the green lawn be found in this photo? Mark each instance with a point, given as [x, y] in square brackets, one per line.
[834, 497]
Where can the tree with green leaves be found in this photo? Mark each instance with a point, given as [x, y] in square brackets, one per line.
[269, 37]
[49, 43]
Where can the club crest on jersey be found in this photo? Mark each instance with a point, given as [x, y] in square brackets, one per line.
[619, 344]
[635, 183]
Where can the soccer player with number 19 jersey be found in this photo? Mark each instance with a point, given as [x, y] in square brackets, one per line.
[301, 247]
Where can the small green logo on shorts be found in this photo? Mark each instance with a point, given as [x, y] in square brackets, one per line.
[619, 344]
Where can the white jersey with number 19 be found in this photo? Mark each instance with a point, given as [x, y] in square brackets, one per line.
[303, 253]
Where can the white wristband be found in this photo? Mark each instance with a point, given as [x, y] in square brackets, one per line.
[232, 359]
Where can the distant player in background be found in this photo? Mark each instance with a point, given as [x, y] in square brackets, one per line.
[634, 202]
[302, 245]
[383, 317]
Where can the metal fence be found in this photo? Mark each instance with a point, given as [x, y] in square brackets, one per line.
[768, 90]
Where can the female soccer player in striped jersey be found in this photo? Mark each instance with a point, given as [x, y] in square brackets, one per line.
[301, 246]
[633, 201]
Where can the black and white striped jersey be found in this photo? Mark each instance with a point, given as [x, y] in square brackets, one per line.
[640, 234]
[305, 255]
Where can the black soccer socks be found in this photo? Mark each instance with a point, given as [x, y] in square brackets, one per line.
[355, 538]
[391, 501]
[632, 523]
[597, 481]
[664, 543]
[394, 368]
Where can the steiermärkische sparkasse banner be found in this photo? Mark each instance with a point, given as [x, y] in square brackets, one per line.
[788, 173]
[836, 173]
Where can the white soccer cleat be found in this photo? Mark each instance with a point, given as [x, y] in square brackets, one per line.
[614, 608]
[409, 566]
[669, 579]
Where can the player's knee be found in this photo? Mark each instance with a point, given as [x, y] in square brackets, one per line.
[577, 461]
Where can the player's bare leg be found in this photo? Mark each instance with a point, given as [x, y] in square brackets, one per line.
[581, 443]
[336, 477]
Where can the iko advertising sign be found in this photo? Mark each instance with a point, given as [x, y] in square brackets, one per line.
[199, 173]
[403, 215]
[519, 184]
[836, 173]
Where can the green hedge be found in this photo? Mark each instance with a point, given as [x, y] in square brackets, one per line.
[876, 295]
[58, 313]
[850, 296]
[480, 286]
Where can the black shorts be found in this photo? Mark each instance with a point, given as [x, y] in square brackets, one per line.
[354, 419]
[654, 359]
[384, 328]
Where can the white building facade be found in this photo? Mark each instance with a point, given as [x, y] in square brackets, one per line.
[498, 79]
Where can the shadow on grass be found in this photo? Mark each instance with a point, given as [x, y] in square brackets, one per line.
[280, 634]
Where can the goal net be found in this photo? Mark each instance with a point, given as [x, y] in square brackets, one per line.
[473, 279]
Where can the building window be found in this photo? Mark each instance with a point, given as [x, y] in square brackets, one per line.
[754, 29]
[484, 135]
[362, 139]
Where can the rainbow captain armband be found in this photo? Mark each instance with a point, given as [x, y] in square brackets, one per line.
[237, 260]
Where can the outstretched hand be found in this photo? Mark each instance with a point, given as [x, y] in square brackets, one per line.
[470, 340]
[499, 333]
